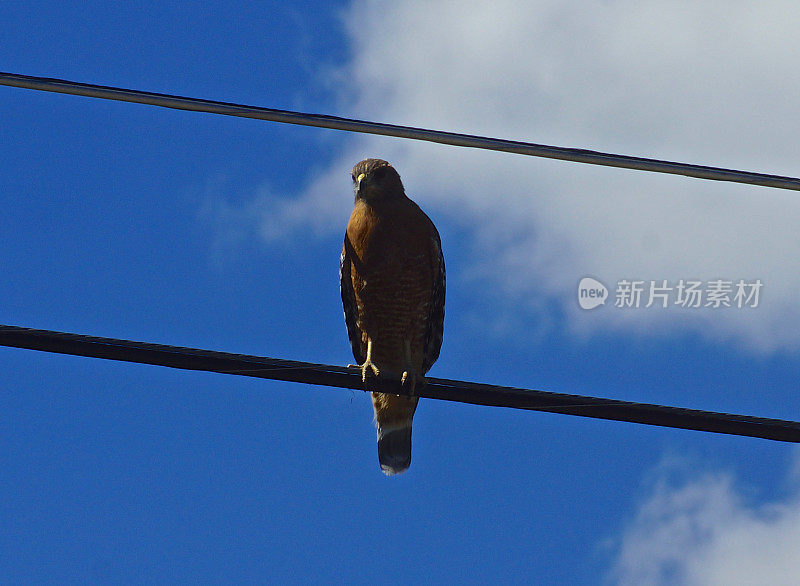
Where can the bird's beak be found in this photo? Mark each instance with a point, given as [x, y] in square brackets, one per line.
[359, 181]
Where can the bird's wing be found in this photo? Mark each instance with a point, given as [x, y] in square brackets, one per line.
[435, 328]
[349, 302]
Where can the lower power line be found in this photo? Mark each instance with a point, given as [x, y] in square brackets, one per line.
[435, 388]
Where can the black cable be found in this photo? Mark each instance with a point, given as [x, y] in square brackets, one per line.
[436, 388]
[451, 138]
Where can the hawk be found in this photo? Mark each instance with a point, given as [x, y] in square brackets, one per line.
[392, 282]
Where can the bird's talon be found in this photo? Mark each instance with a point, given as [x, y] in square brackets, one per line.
[374, 368]
[368, 365]
[409, 382]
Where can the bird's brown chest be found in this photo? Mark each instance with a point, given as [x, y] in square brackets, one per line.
[392, 277]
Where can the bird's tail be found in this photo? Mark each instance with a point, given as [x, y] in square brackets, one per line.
[394, 448]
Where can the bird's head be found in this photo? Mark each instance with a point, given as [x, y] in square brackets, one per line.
[375, 179]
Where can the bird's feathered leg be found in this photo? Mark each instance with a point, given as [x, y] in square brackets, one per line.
[368, 364]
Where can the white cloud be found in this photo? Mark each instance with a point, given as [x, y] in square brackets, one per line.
[703, 531]
[685, 81]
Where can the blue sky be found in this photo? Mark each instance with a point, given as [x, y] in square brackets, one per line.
[181, 228]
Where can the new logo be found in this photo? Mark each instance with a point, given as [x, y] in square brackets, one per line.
[591, 293]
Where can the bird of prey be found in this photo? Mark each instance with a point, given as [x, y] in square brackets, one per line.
[392, 282]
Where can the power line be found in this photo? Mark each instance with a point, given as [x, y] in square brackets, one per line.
[435, 388]
[349, 124]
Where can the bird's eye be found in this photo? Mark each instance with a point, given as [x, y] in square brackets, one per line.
[353, 177]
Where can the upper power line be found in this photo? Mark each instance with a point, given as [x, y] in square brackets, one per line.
[435, 388]
[451, 138]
